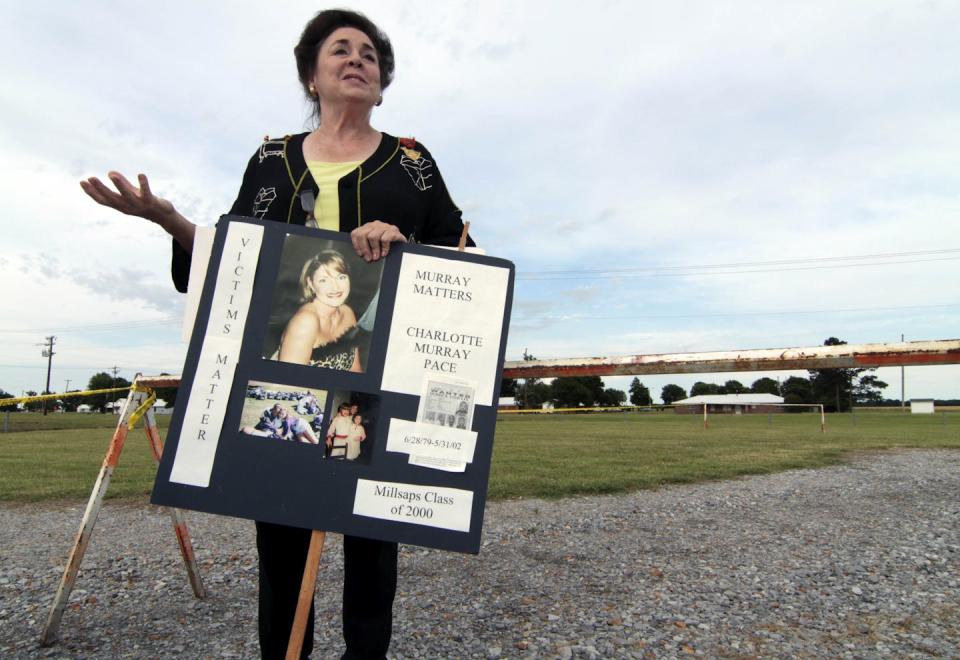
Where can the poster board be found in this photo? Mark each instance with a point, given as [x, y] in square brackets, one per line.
[324, 392]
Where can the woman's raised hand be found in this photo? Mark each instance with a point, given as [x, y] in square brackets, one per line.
[142, 203]
[131, 200]
[372, 240]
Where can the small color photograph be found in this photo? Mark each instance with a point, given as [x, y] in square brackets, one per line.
[324, 305]
[283, 412]
[353, 420]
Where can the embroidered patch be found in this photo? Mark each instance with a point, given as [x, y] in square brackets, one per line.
[418, 169]
[271, 148]
[412, 154]
[263, 200]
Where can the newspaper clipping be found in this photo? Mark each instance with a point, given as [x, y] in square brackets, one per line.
[447, 402]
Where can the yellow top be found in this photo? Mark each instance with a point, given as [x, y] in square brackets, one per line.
[326, 212]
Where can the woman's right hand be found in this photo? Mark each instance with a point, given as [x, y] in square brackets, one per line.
[131, 200]
[142, 203]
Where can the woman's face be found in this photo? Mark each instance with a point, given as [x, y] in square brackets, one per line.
[347, 68]
[330, 286]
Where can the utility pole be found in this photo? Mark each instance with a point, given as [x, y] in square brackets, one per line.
[903, 381]
[115, 369]
[48, 353]
[67, 388]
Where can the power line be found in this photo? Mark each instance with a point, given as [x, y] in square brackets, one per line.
[619, 275]
[115, 325]
[96, 368]
[779, 262]
[818, 263]
[572, 317]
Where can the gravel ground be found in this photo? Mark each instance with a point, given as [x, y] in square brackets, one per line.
[859, 561]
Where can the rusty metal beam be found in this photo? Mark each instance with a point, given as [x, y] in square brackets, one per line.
[158, 381]
[911, 353]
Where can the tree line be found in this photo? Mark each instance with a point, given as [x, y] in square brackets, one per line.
[836, 389]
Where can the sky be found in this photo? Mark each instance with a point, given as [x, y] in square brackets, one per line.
[667, 177]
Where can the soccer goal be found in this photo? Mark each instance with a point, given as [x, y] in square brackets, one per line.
[764, 410]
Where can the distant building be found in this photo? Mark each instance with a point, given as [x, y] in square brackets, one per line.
[507, 403]
[160, 407]
[733, 404]
[921, 406]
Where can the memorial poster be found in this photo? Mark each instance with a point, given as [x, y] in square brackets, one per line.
[325, 392]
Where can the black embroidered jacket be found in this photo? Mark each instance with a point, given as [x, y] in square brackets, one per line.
[399, 184]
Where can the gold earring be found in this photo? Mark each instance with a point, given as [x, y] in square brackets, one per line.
[313, 90]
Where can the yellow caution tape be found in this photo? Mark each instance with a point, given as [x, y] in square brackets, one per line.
[143, 407]
[134, 418]
[64, 395]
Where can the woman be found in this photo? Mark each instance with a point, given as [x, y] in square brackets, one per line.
[381, 189]
[338, 432]
[271, 424]
[355, 435]
[295, 429]
[313, 334]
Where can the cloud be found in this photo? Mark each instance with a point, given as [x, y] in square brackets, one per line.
[583, 294]
[131, 285]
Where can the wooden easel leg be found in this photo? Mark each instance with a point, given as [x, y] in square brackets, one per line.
[176, 515]
[89, 520]
[306, 594]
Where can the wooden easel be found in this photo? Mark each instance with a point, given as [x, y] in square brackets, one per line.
[305, 599]
[315, 552]
[139, 394]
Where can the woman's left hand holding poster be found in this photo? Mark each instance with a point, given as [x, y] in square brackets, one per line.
[372, 240]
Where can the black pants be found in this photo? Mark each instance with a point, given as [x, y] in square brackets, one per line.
[369, 584]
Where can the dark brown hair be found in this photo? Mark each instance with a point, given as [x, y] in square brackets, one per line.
[321, 26]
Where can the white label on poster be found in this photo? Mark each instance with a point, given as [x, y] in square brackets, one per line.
[238, 265]
[445, 464]
[206, 407]
[447, 319]
[430, 440]
[446, 508]
[200, 258]
[207, 404]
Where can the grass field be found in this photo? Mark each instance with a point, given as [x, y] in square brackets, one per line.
[534, 456]
[57, 421]
[554, 456]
